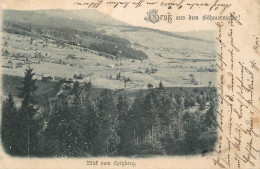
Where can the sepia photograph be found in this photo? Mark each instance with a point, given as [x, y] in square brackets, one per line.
[80, 83]
[133, 84]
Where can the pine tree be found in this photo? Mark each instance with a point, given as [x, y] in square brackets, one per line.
[179, 111]
[202, 103]
[64, 133]
[91, 126]
[161, 85]
[73, 125]
[30, 124]
[164, 107]
[107, 139]
[190, 145]
[53, 134]
[138, 115]
[124, 122]
[28, 88]
[9, 127]
[211, 117]
[151, 116]
[72, 131]
[76, 92]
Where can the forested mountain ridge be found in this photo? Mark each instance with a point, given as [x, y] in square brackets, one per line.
[92, 17]
[34, 18]
[67, 30]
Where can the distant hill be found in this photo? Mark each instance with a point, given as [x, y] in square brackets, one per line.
[91, 16]
[75, 19]
[43, 19]
[60, 26]
[89, 28]
[89, 20]
[209, 35]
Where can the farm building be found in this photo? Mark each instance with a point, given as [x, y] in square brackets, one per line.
[212, 69]
[9, 65]
[57, 79]
[69, 80]
[28, 62]
[47, 79]
[66, 86]
[63, 94]
[18, 65]
[111, 66]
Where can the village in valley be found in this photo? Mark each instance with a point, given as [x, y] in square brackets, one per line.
[54, 62]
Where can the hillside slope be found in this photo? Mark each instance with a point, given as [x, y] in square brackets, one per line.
[117, 55]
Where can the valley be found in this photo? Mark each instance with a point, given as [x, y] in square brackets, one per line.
[169, 58]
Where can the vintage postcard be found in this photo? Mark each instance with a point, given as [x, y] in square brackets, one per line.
[165, 84]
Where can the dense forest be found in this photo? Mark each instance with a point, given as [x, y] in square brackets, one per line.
[87, 39]
[155, 122]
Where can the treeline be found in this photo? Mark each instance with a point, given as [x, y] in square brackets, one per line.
[118, 50]
[88, 39]
[155, 123]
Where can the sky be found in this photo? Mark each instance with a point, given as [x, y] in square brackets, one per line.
[130, 15]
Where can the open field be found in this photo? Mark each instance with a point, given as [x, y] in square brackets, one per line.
[173, 66]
